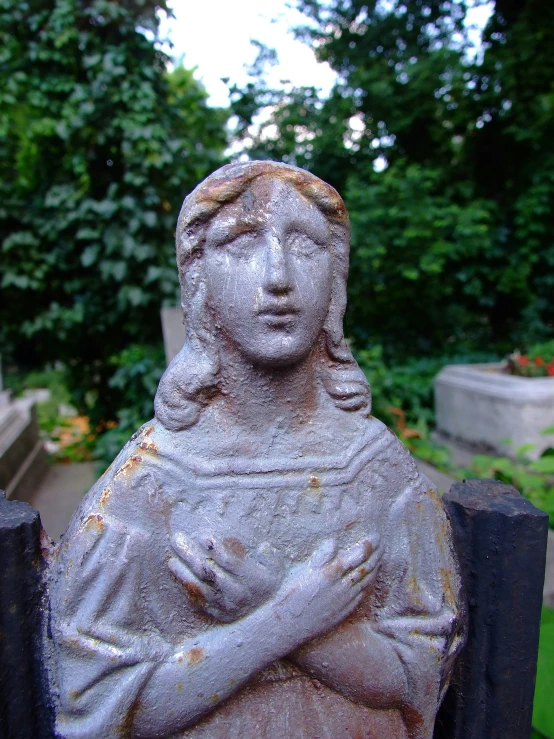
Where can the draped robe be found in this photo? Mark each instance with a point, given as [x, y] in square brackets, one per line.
[118, 612]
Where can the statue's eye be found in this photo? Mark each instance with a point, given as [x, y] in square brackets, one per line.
[302, 245]
[241, 245]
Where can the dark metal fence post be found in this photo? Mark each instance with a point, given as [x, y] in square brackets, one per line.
[25, 710]
[500, 539]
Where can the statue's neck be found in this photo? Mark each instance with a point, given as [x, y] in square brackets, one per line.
[269, 398]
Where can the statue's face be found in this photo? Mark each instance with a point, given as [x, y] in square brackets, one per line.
[267, 261]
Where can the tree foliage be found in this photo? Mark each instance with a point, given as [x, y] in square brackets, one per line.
[444, 154]
[98, 146]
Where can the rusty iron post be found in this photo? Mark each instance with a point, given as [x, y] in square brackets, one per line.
[500, 538]
[25, 710]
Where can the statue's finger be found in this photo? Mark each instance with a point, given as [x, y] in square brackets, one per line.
[357, 554]
[230, 554]
[191, 554]
[184, 574]
[363, 575]
[326, 551]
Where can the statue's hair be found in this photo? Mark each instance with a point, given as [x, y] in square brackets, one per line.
[192, 378]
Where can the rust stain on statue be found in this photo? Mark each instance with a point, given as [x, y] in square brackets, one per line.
[125, 729]
[412, 719]
[195, 656]
[217, 190]
[105, 496]
[314, 482]
[130, 465]
[148, 445]
[93, 521]
[446, 582]
[368, 549]
[235, 546]
[195, 594]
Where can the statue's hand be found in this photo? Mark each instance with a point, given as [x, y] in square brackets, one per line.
[222, 578]
[325, 589]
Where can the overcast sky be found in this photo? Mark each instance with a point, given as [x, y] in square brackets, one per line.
[214, 36]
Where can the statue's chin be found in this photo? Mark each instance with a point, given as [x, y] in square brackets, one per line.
[276, 363]
[273, 349]
[279, 357]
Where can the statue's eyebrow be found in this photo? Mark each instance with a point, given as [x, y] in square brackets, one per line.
[316, 231]
[222, 232]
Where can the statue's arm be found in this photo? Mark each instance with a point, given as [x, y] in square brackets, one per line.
[401, 655]
[208, 669]
[116, 669]
[359, 663]
[315, 596]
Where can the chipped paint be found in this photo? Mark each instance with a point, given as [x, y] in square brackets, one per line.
[104, 498]
[235, 546]
[130, 465]
[148, 445]
[195, 656]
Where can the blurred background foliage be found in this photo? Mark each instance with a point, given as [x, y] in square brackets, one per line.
[98, 146]
[443, 152]
[444, 155]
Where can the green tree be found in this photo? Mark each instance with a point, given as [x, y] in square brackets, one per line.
[444, 159]
[99, 144]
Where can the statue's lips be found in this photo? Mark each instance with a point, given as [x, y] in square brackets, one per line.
[278, 315]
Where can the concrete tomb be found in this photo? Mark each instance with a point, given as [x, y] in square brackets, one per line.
[484, 407]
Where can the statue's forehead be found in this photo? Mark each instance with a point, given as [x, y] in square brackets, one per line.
[271, 196]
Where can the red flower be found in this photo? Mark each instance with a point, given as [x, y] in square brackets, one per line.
[539, 362]
[523, 361]
[550, 369]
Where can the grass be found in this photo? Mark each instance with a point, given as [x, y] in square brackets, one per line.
[543, 706]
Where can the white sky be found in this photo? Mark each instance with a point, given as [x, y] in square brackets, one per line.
[214, 36]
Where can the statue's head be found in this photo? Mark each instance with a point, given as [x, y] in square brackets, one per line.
[262, 252]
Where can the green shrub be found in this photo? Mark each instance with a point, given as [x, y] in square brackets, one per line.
[138, 370]
[407, 385]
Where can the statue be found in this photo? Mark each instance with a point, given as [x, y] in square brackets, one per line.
[263, 559]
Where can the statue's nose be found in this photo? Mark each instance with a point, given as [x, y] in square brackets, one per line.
[276, 268]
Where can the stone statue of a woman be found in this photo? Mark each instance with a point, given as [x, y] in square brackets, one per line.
[263, 560]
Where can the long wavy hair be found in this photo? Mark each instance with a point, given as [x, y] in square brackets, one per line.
[192, 379]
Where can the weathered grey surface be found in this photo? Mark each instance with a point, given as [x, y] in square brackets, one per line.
[173, 331]
[262, 560]
[476, 403]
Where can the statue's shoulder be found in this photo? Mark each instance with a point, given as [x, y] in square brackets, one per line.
[145, 475]
[393, 464]
[153, 449]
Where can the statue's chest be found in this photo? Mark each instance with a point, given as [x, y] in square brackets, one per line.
[293, 512]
